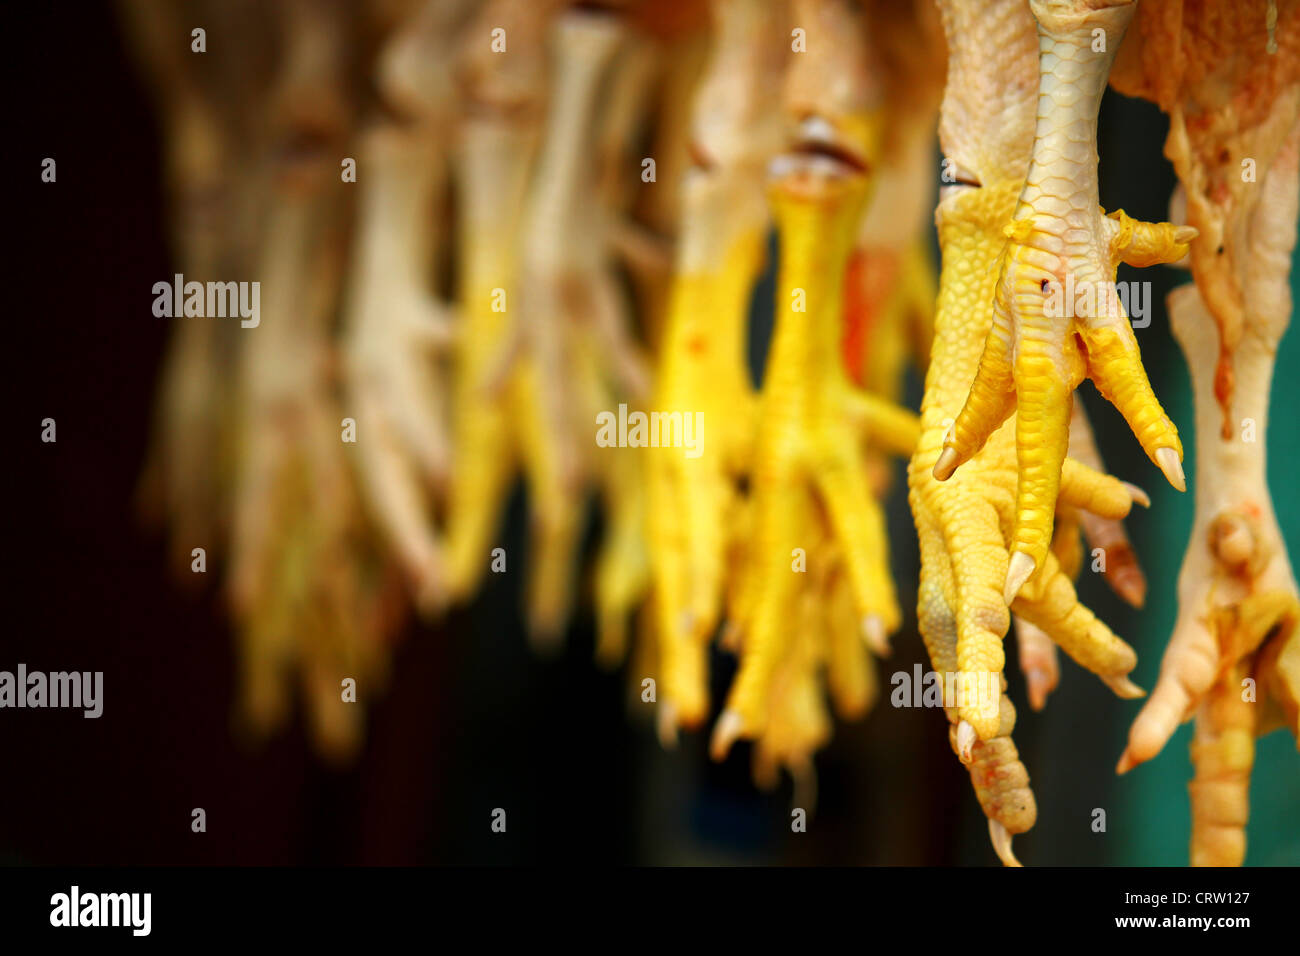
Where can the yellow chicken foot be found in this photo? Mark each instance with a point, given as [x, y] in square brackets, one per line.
[966, 523]
[574, 351]
[808, 462]
[1057, 317]
[494, 161]
[702, 367]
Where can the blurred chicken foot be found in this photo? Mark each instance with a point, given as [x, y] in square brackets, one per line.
[702, 364]
[1236, 549]
[395, 328]
[501, 102]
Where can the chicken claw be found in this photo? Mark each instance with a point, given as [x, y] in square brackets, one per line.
[1056, 315]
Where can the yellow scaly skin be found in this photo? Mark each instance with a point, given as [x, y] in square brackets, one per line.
[811, 425]
[966, 524]
[1037, 653]
[1044, 339]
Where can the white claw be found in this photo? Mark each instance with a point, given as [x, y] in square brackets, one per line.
[1002, 843]
[725, 733]
[1137, 494]
[1168, 461]
[873, 632]
[946, 464]
[1123, 687]
[1040, 683]
[965, 741]
[1019, 571]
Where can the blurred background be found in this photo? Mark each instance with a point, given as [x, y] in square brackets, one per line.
[472, 718]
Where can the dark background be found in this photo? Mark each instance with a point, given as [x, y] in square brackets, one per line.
[472, 720]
